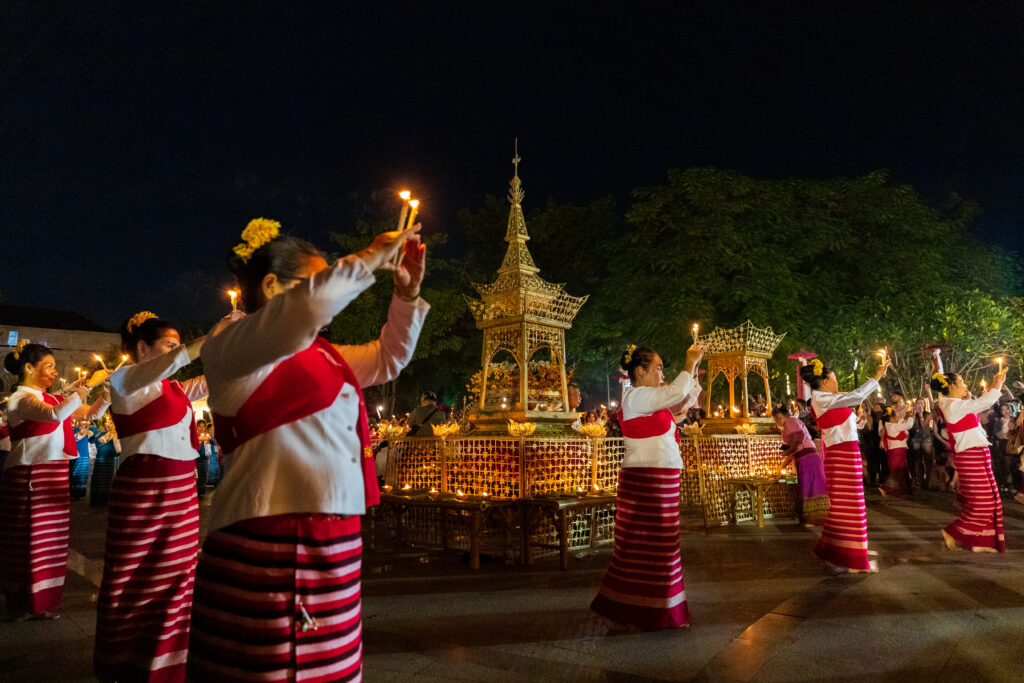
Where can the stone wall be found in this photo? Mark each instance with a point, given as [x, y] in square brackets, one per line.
[71, 348]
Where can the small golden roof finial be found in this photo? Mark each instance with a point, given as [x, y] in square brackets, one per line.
[516, 159]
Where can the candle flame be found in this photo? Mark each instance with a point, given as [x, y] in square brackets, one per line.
[414, 203]
[78, 369]
[406, 487]
[97, 357]
[405, 194]
[880, 353]
[459, 492]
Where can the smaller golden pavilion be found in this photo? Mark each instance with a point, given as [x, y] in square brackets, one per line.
[522, 314]
[736, 353]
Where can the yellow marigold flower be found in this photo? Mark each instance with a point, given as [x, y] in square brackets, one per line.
[256, 234]
[140, 318]
[818, 367]
[629, 353]
[244, 251]
[943, 382]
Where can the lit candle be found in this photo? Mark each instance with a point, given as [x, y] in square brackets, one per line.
[1000, 362]
[406, 487]
[459, 493]
[387, 488]
[984, 385]
[696, 327]
[415, 204]
[881, 353]
[484, 494]
[404, 194]
[379, 408]
[100, 359]
[233, 293]
[124, 359]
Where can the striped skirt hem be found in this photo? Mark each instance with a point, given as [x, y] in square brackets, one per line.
[34, 518]
[278, 599]
[980, 523]
[844, 537]
[643, 585]
[145, 599]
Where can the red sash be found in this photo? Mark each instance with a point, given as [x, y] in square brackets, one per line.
[166, 410]
[832, 417]
[885, 437]
[298, 387]
[966, 423]
[646, 426]
[30, 428]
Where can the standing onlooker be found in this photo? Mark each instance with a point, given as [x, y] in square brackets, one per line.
[426, 414]
[1002, 425]
[921, 453]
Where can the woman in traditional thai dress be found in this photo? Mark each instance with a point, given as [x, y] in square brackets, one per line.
[643, 586]
[979, 526]
[812, 490]
[277, 586]
[895, 431]
[844, 539]
[34, 493]
[145, 597]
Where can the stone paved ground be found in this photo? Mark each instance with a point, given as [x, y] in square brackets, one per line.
[761, 608]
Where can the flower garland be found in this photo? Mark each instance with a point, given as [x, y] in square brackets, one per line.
[256, 234]
[18, 348]
[818, 367]
[941, 378]
[139, 318]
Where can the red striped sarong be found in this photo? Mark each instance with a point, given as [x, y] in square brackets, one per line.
[898, 482]
[34, 518]
[643, 586]
[844, 538]
[980, 523]
[145, 600]
[277, 599]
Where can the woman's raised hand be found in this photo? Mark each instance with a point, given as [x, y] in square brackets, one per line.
[1000, 377]
[380, 254]
[693, 356]
[409, 275]
[880, 372]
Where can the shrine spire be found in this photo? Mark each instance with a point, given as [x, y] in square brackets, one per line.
[517, 257]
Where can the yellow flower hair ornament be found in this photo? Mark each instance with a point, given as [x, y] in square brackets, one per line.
[818, 367]
[628, 357]
[943, 382]
[888, 410]
[256, 234]
[18, 348]
[139, 318]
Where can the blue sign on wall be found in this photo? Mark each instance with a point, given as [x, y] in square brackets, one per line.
[12, 338]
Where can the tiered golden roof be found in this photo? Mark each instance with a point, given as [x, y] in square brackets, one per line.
[746, 337]
[520, 294]
[522, 313]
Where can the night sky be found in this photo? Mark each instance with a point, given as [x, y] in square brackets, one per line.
[138, 138]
